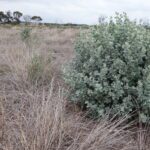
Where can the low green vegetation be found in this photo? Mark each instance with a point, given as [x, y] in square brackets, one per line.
[111, 70]
[39, 64]
[39, 69]
[26, 34]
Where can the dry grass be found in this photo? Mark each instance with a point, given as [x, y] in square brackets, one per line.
[36, 116]
[42, 122]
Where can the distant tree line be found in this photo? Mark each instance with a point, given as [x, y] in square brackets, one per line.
[17, 17]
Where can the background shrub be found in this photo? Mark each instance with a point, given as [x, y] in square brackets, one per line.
[111, 69]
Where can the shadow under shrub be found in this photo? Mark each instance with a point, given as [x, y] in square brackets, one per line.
[111, 69]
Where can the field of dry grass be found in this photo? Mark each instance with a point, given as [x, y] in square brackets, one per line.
[34, 111]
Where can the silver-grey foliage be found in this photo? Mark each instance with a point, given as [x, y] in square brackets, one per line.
[112, 68]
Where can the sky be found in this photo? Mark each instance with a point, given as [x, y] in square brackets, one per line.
[78, 11]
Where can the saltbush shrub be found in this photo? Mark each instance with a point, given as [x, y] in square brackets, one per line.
[111, 70]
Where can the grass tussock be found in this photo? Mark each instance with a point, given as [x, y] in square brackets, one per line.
[42, 123]
[40, 68]
[25, 67]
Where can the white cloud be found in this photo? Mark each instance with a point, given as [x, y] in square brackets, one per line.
[77, 11]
